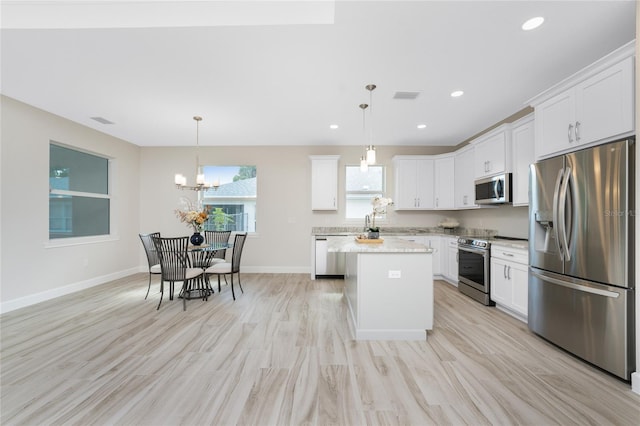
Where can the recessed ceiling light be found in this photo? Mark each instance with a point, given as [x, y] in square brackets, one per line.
[457, 94]
[533, 23]
[333, 126]
[421, 126]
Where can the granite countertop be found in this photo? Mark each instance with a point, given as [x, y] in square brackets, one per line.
[389, 245]
[398, 230]
[517, 244]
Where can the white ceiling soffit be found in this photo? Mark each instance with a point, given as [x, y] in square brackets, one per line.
[86, 14]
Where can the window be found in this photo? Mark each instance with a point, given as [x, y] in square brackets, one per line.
[79, 199]
[231, 207]
[361, 188]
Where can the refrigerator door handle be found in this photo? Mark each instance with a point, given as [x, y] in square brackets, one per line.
[556, 222]
[562, 205]
[578, 287]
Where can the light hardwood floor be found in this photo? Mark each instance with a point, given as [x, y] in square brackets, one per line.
[281, 354]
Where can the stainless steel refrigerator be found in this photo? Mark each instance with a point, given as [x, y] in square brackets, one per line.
[581, 254]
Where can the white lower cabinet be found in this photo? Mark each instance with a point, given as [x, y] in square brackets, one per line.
[450, 259]
[431, 241]
[510, 279]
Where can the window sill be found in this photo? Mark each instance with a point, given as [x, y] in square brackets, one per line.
[78, 241]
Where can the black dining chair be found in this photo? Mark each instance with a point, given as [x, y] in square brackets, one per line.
[175, 266]
[152, 255]
[226, 268]
[212, 237]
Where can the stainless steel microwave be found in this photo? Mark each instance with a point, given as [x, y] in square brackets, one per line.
[494, 190]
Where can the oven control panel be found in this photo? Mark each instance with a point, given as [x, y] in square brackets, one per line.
[473, 243]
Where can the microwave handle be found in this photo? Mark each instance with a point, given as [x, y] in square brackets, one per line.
[497, 189]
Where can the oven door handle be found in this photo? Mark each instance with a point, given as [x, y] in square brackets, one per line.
[476, 251]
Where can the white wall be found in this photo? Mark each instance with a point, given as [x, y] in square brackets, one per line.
[284, 216]
[31, 271]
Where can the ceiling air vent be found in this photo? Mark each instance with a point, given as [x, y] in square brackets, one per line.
[102, 120]
[406, 95]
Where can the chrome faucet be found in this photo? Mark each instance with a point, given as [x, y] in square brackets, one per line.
[367, 222]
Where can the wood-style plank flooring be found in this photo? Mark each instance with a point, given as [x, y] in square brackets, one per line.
[281, 354]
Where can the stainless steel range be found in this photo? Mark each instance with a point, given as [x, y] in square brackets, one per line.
[474, 268]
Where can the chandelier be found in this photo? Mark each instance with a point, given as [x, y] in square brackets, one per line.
[201, 184]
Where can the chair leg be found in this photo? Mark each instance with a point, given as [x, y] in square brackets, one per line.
[240, 283]
[149, 287]
[184, 296]
[232, 292]
[161, 294]
[208, 284]
[219, 288]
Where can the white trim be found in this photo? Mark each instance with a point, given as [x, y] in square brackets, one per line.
[21, 302]
[601, 64]
[635, 382]
[78, 241]
[372, 334]
[275, 269]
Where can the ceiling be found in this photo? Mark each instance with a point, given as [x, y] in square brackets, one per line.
[280, 73]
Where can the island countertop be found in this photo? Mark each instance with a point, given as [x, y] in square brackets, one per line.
[348, 244]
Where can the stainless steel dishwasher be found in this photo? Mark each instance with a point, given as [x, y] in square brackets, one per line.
[327, 265]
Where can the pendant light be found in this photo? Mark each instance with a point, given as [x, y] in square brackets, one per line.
[364, 166]
[371, 150]
[201, 184]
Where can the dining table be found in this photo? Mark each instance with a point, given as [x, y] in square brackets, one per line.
[201, 257]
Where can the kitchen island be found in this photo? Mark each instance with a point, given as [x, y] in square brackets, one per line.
[388, 288]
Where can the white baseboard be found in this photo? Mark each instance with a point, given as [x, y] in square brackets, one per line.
[21, 302]
[275, 269]
[12, 305]
[635, 382]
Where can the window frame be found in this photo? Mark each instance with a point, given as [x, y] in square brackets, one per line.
[380, 219]
[87, 239]
[211, 176]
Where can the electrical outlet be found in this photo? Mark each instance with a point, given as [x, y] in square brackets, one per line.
[395, 274]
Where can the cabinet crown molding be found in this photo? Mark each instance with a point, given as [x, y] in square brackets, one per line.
[620, 54]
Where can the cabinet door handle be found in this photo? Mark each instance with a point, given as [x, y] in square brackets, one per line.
[507, 254]
[509, 273]
[464, 200]
[569, 133]
[577, 131]
[437, 200]
[504, 271]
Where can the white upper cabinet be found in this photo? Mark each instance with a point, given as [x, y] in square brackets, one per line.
[444, 181]
[493, 152]
[594, 105]
[464, 188]
[522, 141]
[414, 182]
[324, 182]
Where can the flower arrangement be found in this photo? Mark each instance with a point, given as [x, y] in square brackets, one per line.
[379, 208]
[193, 218]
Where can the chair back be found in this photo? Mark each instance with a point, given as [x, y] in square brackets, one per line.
[237, 252]
[150, 249]
[217, 237]
[174, 257]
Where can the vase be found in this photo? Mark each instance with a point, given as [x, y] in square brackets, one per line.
[196, 239]
[373, 235]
